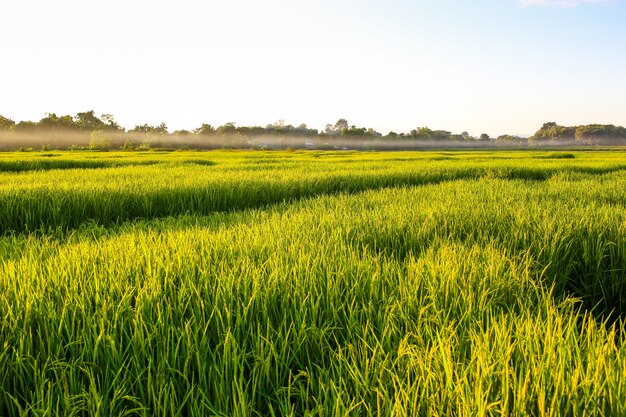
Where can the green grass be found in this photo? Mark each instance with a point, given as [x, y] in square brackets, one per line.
[311, 283]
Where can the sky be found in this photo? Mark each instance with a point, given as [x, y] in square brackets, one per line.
[482, 66]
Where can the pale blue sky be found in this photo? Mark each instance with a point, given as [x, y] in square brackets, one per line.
[502, 66]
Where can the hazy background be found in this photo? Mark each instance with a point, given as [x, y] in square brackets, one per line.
[500, 66]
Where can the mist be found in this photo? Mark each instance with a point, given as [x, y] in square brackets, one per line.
[80, 140]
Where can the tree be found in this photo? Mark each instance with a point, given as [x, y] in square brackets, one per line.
[181, 132]
[52, 121]
[205, 129]
[354, 131]
[340, 125]
[226, 129]
[279, 124]
[6, 124]
[484, 136]
[110, 122]
[466, 136]
[303, 130]
[146, 128]
[511, 140]
[88, 121]
[596, 134]
[421, 133]
[552, 131]
[337, 128]
[26, 126]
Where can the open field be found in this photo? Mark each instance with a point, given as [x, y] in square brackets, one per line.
[313, 283]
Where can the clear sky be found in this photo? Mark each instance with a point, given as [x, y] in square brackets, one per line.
[493, 66]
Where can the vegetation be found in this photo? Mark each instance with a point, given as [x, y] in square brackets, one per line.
[312, 283]
[593, 134]
[77, 132]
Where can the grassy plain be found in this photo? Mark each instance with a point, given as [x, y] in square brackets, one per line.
[313, 283]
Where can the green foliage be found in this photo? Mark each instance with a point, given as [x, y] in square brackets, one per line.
[26, 126]
[421, 133]
[359, 132]
[599, 134]
[594, 134]
[88, 121]
[149, 129]
[52, 121]
[129, 145]
[313, 283]
[427, 133]
[227, 129]
[337, 128]
[205, 129]
[6, 124]
[511, 140]
[99, 140]
[66, 131]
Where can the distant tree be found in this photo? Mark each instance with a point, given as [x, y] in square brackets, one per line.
[205, 129]
[110, 122]
[256, 130]
[552, 131]
[279, 127]
[511, 140]
[226, 129]
[303, 130]
[596, 134]
[89, 121]
[6, 124]
[52, 121]
[363, 132]
[484, 136]
[182, 132]
[421, 133]
[353, 131]
[146, 128]
[337, 128]
[467, 136]
[340, 125]
[26, 126]
[280, 123]
[441, 134]
[373, 133]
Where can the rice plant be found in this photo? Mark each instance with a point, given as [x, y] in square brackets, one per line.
[318, 284]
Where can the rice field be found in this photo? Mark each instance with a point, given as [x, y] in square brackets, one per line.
[267, 283]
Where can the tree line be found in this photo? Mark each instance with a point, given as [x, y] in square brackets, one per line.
[87, 130]
[593, 134]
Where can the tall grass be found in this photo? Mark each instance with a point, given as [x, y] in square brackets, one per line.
[483, 291]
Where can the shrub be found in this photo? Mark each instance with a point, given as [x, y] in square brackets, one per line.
[98, 140]
[129, 145]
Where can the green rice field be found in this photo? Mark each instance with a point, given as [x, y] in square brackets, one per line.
[312, 283]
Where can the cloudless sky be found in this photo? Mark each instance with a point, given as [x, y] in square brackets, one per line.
[493, 66]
